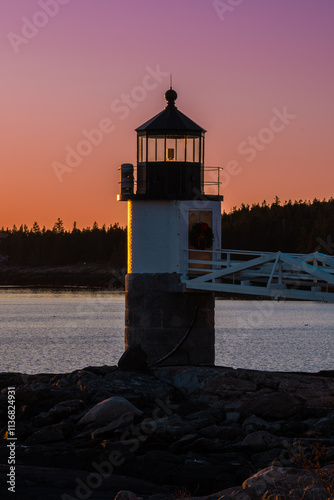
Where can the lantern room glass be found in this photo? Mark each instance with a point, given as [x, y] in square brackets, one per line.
[180, 149]
[196, 150]
[190, 149]
[151, 149]
[171, 148]
[161, 148]
[142, 149]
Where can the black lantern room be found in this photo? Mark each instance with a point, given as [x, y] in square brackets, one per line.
[170, 159]
[170, 155]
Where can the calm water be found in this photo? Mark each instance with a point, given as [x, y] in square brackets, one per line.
[50, 331]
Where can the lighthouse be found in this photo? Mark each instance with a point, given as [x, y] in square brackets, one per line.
[170, 221]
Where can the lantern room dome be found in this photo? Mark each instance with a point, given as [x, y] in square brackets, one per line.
[171, 97]
[170, 120]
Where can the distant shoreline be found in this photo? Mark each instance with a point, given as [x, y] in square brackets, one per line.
[92, 275]
[60, 289]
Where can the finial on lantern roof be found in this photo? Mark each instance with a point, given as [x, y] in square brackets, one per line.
[171, 95]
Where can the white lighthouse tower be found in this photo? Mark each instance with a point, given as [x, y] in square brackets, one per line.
[170, 219]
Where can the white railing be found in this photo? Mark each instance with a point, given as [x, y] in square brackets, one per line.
[303, 276]
[212, 180]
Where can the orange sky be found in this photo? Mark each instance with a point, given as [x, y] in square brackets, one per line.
[66, 65]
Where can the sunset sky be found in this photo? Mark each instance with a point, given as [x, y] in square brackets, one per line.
[258, 75]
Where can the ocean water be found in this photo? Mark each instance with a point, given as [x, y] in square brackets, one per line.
[61, 331]
[275, 336]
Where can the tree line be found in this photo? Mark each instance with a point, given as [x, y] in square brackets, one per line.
[57, 246]
[299, 227]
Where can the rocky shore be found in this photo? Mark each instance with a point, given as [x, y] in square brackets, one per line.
[173, 432]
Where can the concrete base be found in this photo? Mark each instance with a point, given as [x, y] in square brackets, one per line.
[158, 314]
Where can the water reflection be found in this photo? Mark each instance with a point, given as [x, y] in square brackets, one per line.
[57, 330]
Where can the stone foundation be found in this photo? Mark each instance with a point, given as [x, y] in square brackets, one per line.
[158, 314]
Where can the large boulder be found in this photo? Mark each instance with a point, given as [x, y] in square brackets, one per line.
[254, 423]
[134, 359]
[236, 493]
[275, 406]
[126, 495]
[261, 440]
[323, 427]
[287, 483]
[109, 429]
[50, 433]
[314, 392]
[109, 410]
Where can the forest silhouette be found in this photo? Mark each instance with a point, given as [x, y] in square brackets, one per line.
[58, 247]
[296, 227]
[299, 226]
